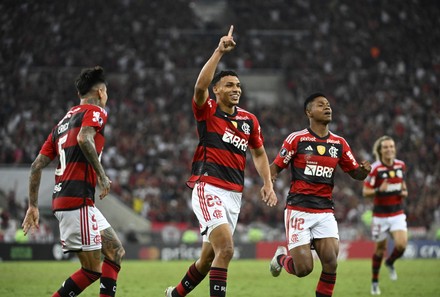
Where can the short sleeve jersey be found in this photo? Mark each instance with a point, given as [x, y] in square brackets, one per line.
[220, 156]
[75, 178]
[313, 163]
[389, 202]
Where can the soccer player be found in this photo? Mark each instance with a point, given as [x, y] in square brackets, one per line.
[386, 184]
[77, 142]
[217, 176]
[313, 154]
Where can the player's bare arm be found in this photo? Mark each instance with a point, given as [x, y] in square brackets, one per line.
[362, 171]
[206, 75]
[274, 170]
[30, 221]
[261, 162]
[86, 142]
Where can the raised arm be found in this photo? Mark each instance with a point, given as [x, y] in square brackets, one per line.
[86, 141]
[201, 91]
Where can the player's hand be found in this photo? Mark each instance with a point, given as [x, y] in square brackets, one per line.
[105, 184]
[227, 42]
[31, 219]
[365, 165]
[268, 195]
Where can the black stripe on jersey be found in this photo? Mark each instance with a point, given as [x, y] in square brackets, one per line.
[309, 201]
[385, 209]
[224, 173]
[75, 154]
[75, 188]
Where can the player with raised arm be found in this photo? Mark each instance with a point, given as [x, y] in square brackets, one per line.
[217, 176]
[77, 142]
[313, 155]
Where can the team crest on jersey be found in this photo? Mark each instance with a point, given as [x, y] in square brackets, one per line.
[234, 123]
[333, 151]
[321, 149]
[392, 173]
[246, 128]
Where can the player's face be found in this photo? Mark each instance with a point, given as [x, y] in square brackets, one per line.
[320, 110]
[388, 149]
[228, 90]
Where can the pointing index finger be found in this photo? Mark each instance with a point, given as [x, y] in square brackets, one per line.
[231, 29]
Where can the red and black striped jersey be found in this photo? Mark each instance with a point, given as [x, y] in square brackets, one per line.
[387, 203]
[75, 178]
[220, 156]
[313, 163]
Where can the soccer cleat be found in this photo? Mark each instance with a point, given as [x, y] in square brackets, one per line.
[375, 290]
[392, 271]
[168, 292]
[274, 267]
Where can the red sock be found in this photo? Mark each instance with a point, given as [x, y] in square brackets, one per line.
[77, 282]
[191, 279]
[109, 276]
[376, 261]
[287, 263]
[396, 254]
[326, 285]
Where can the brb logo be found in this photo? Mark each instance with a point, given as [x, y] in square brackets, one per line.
[317, 170]
[235, 140]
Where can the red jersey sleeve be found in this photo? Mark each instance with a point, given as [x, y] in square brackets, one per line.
[48, 149]
[204, 111]
[347, 161]
[285, 154]
[94, 116]
[256, 139]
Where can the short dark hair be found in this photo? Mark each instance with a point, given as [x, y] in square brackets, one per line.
[88, 78]
[310, 99]
[218, 76]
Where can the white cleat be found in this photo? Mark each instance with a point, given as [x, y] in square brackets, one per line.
[168, 291]
[392, 271]
[375, 290]
[274, 267]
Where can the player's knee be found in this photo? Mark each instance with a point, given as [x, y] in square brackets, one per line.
[225, 253]
[303, 270]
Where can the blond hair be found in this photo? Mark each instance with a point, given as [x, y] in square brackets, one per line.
[378, 146]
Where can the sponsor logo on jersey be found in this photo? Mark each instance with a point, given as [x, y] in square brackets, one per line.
[353, 160]
[307, 138]
[235, 140]
[394, 187]
[286, 155]
[309, 148]
[97, 118]
[63, 128]
[333, 141]
[57, 188]
[318, 170]
[321, 149]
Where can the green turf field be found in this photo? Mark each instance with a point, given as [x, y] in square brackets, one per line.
[247, 278]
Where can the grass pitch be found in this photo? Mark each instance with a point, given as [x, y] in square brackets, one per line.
[246, 278]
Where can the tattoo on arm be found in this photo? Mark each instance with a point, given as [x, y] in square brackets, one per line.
[87, 143]
[35, 178]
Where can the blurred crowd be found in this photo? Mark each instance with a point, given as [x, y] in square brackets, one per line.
[377, 61]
